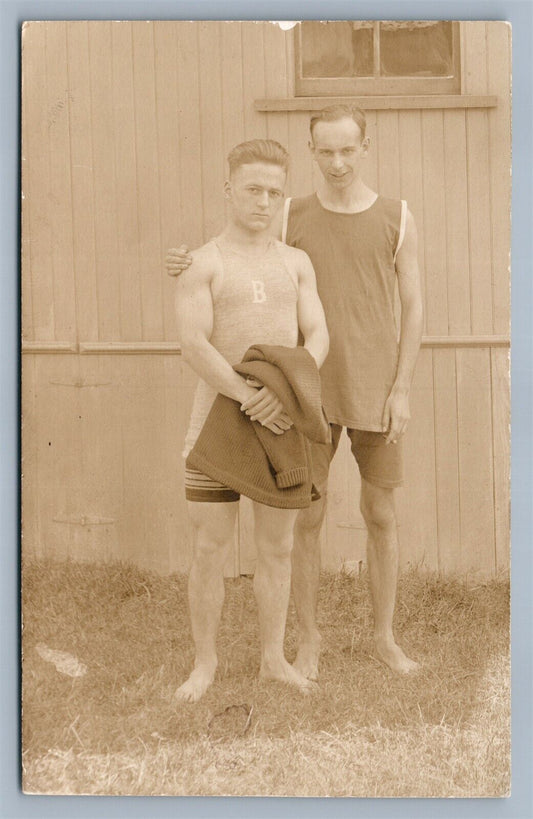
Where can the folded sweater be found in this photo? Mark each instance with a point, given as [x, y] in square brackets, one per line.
[249, 458]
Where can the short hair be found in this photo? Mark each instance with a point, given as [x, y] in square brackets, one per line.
[335, 112]
[258, 150]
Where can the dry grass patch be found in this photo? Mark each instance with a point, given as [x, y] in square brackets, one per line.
[364, 732]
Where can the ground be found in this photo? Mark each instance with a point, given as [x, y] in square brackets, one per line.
[117, 729]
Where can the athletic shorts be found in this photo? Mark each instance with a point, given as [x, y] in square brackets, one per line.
[203, 489]
[379, 463]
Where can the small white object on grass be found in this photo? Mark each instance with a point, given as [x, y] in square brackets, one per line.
[65, 663]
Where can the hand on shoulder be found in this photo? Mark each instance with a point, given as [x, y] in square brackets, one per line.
[204, 264]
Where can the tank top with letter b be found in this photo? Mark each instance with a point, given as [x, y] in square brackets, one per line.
[255, 302]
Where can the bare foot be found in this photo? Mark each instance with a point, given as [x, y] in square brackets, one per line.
[392, 655]
[197, 684]
[306, 662]
[283, 671]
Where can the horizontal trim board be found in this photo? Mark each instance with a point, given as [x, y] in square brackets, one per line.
[49, 347]
[103, 347]
[379, 102]
[85, 520]
[131, 347]
[173, 348]
[466, 341]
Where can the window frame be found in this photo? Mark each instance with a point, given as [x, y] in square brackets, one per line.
[376, 86]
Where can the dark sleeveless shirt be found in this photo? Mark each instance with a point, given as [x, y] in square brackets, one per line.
[353, 255]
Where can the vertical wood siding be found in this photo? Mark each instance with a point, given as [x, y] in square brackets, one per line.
[126, 127]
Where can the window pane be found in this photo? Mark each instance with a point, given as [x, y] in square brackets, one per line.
[363, 48]
[337, 49]
[416, 49]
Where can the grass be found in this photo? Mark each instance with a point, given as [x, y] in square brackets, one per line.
[364, 732]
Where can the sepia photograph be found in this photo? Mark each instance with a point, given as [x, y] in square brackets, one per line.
[265, 313]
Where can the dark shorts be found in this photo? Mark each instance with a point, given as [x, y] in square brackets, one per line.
[379, 463]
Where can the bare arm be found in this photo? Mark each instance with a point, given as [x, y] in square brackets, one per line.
[194, 313]
[311, 318]
[396, 414]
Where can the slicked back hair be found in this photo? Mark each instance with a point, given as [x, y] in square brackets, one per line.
[258, 150]
[333, 113]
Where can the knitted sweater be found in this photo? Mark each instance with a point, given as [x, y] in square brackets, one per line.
[249, 458]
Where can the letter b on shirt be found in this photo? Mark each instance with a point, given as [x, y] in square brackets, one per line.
[258, 291]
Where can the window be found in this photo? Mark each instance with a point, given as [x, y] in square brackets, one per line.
[360, 57]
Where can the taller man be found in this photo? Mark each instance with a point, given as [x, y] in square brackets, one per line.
[360, 244]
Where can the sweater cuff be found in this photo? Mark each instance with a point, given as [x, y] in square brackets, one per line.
[291, 477]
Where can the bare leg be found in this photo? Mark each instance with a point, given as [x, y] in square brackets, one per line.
[305, 582]
[377, 507]
[274, 538]
[213, 526]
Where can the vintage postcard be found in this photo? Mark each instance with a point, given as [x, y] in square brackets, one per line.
[265, 395]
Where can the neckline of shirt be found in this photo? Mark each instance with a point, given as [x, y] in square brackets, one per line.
[222, 244]
[347, 212]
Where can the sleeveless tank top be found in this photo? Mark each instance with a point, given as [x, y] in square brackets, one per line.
[255, 302]
[353, 255]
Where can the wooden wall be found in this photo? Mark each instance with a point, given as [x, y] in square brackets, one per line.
[125, 131]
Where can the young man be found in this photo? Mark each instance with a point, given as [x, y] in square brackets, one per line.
[360, 244]
[243, 288]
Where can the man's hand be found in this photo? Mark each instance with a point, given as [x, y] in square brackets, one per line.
[177, 260]
[396, 415]
[266, 408]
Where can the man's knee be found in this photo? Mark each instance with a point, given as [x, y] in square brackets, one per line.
[273, 548]
[309, 520]
[213, 528]
[211, 545]
[377, 506]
